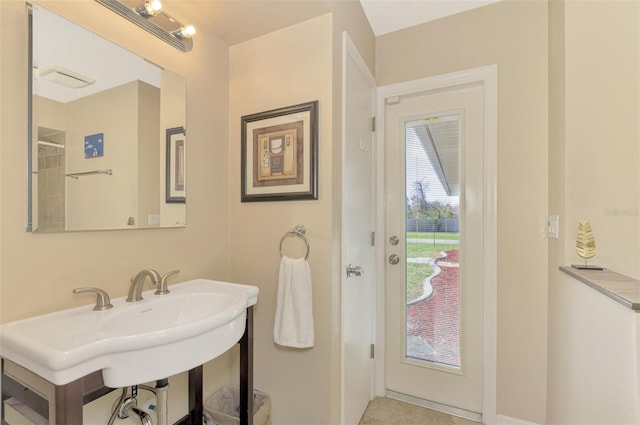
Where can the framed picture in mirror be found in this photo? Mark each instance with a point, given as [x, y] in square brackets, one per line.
[176, 173]
[280, 154]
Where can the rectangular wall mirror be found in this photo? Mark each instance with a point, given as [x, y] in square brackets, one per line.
[102, 122]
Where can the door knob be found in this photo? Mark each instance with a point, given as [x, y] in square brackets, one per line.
[394, 259]
[354, 270]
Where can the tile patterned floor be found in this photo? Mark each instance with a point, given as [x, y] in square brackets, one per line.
[386, 411]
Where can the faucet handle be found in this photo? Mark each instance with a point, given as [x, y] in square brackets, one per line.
[103, 302]
[162, 286]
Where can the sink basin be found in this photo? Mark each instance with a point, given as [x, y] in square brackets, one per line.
[132, 343]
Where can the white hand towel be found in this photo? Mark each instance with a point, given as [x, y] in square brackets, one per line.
[294, 308]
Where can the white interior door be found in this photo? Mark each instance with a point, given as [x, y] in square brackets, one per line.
[434, 249]
[358, 285]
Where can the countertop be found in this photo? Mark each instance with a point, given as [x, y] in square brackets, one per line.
[621, 288]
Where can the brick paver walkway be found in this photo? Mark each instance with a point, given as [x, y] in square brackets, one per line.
[433, 324]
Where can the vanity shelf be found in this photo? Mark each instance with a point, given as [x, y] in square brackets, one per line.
[30, 399]
[620, 288]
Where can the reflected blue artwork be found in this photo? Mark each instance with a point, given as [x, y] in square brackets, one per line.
[94, 145]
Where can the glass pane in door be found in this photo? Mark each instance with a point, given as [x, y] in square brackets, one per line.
[433, 290]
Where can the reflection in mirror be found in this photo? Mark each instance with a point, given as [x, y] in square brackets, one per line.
[99, 115]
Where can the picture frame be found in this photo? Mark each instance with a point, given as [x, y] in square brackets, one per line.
[280, 154]
[176, 188]
[94, 146]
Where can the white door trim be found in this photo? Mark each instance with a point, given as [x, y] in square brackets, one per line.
[488, 77]
[349, 50]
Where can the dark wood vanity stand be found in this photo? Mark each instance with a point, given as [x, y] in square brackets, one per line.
[27, 396]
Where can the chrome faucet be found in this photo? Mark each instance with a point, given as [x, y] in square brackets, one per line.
[163, 286]
[103, 302]
[135, 290]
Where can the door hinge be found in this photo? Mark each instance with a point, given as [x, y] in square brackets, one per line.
[373, 351]
[373, 238]
[373, 123]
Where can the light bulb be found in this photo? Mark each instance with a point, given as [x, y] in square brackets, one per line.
[155, 5]
[187, 31]
[149, 8]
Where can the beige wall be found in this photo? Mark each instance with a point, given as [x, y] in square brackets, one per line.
[129, 116]
[602, 167]
[38, 271]
[102, 201]
[150, 137]
[594, 174]
[593, 357]
[295, 65]
[557, 194]
[513, 35]
[284, 68]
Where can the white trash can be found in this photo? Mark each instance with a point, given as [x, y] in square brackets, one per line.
[223, 407]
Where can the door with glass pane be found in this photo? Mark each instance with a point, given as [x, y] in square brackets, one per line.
[433, 248]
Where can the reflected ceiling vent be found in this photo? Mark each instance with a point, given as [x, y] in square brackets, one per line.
[64, 77]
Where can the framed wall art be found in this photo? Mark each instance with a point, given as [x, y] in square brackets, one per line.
[175, 169]
[94, 145]
[280, 154]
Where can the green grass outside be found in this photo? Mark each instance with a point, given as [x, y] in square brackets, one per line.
[417, 249]
[416, 274]
[429, 235]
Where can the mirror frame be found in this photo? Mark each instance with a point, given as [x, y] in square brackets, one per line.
[29, 227]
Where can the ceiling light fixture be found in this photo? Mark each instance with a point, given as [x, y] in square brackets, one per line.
[184, 32]
[151, 17]
[149, 8]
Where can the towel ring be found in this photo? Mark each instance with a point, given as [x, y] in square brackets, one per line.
[298, 231]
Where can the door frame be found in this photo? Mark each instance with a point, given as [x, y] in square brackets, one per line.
[487, 76]
[349, 50]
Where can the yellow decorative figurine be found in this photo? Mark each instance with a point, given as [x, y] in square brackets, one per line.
[585, 245]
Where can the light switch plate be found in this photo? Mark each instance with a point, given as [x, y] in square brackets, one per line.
[553, 227]
[154, 219]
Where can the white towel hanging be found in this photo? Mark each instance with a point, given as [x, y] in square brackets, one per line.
[293, 325]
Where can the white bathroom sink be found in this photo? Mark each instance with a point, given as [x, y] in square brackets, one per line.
[133, 342]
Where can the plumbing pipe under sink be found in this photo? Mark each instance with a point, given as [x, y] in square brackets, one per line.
[144, 417]
[162, 397]
[128, 406]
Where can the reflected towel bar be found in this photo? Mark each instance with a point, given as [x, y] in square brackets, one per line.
[88, 173]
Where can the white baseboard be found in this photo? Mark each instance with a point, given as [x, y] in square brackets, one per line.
[473, 416]
[507, 420]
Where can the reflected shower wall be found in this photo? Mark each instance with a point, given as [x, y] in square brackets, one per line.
[51, 188]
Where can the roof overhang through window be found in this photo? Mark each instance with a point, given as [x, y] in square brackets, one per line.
[440, 138]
